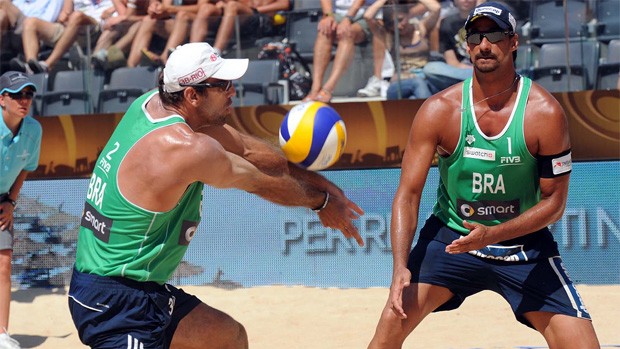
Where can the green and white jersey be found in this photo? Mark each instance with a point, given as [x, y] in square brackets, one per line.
[487, 179]
[118, 238]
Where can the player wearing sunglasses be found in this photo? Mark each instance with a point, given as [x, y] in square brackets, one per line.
[20, 143]
[504, 164]
[144, 200]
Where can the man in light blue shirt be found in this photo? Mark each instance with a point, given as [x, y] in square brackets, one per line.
[20, 143]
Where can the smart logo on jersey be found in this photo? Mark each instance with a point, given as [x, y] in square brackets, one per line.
[488, 210]
[479, 153]
[188, 230]
[467, 211]
[96, 222]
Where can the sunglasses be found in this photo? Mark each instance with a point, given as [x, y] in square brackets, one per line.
[493, 37]
[224, 86]
[21, 95]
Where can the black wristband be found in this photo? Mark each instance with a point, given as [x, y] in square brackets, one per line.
[12, 202]
[318, 209]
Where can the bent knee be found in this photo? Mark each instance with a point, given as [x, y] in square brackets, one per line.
[30, 23]
[232, 6]
[183, 16]
[207, 10]
[77, 16]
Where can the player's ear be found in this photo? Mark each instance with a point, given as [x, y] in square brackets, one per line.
[515, 41]
[191, 94]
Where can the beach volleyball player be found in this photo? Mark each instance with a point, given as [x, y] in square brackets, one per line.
[143, 206]
[504, 165]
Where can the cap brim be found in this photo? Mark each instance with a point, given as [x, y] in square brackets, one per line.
[232, 69]
[15, 90]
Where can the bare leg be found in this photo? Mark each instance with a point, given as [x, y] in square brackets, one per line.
[8, 16]
[227, 27]
[322, 56]
[378, 46]
[5, 287]
[344, 55]
[142, 40]
[378, 54]
[563, 331]
[419, 300]
[124, 43]
[106, 39]
[200, 26]
[34, 30]
[77, 19]
[178, 35]
[206, 327]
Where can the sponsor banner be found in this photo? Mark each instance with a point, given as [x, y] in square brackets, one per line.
[377, 132]
[246, 241]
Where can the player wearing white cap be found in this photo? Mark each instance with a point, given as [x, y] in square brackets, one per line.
[143, 207]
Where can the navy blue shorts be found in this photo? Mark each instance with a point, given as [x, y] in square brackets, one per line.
[528, 272]
[111, 312]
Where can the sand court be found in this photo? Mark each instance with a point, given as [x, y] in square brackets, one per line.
[279, 317]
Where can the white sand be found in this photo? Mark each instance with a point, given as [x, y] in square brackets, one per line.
[301, 317]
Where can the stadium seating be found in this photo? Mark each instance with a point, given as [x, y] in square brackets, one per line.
[126, 84]
[549, 20]
[301, 31]
[608, 70]
[567, 66]
[260, 84]
[73, 92]
[41, 80]
[608, 20]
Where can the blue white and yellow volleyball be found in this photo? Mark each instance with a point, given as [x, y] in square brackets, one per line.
[313, 135]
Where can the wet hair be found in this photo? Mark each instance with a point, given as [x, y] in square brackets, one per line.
[169, 98]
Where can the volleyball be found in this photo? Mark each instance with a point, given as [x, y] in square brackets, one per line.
[313, 135]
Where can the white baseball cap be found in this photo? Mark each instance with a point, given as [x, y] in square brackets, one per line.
[197, 61]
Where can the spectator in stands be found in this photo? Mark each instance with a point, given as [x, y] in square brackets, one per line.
[13, 14]
[163, 16]
[208, 17]
[342, 23]
[453, 47]
[415, 20]
[85, 19]
[255, 17]
[119, 30]
[376, 85]
[20, 143]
